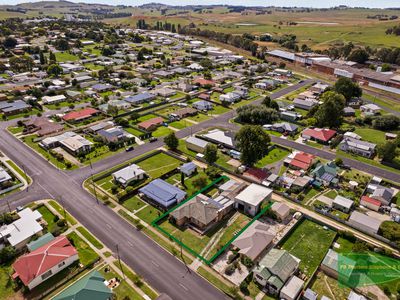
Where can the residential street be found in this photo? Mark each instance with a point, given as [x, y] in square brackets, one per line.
[160, 269]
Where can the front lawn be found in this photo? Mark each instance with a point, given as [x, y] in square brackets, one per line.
[133, 203]
[48, 216]
[161, 131]
[148, 214]
[90, 237]
[180, 124]
[309, 242]
[62, 212]
[87, 255]
[7, 285]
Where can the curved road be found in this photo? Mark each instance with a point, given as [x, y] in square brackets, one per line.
[160, 269]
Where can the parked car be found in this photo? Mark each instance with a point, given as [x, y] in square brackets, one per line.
[153, 139]
[130, 148]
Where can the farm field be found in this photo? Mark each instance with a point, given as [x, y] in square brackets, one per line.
[318, 29]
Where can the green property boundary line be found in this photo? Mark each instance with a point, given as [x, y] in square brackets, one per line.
[179, 242]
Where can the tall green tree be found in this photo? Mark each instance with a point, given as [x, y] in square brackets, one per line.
[211, 153]
[387, 151]
[347, 88]
[330, 112]
[171, 141]
[252, 141]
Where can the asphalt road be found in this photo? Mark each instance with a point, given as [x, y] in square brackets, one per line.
[160, 269]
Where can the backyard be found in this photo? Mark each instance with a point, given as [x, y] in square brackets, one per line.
[309, 242]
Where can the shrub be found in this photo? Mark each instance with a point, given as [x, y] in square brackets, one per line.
[244, 288]
[229, 270]
[247, 262]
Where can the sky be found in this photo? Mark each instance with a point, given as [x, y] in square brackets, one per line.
[304, 3]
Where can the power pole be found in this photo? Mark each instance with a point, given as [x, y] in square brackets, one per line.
[119, 261]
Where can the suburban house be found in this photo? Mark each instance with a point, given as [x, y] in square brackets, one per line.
[250, 199]
[254, 241]
[383, 194]
[306, 104]
[83, 114]
[230, 97]
[18, 233]
[202, 105]
[70, 141]
[285, 128]
[162, 194]
[202, 212]
[90, 286]
[128, 174]
[370, 109]
[342, 203]
[219, 137]
[53, 99]
[114, 135]
[15, 107]
[370, 203]
[182, 113]
[151, 124]
[320, 135]
[292, 289]
[188, 169]
[325, 174]
[140, 98]
[290, 116]
[195, 144]
[39, 265]
[274, 270]
[203, 82]
[364, 223]
[5, 178]
[42, 126]
[76, 144]
[300, 161]
[362, 148]
[165, 92]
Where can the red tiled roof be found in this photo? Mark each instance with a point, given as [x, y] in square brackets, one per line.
[321, 134]
[204, 96]
[299, 164]
[148, 123]
[80, 114]
[203, 81]
[302, 160]
[256, 173]
[34, 264]
[371, 200]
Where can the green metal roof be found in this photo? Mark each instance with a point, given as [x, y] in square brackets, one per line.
[43, 240]
[89, 287]
[276, 282]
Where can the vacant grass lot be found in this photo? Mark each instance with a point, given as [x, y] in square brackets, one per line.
[329, 287]
[309, 242]
[161, 131]
[273, 156]
[371, 135]
[159, 164]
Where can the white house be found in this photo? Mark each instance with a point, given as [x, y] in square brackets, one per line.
[53, 99]
[18, 233]
[128, 174]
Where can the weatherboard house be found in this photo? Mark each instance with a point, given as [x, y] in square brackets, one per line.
[162, 194]
[39, 265]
